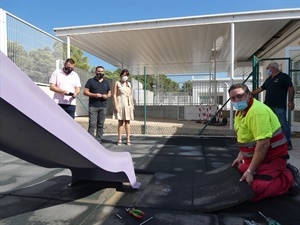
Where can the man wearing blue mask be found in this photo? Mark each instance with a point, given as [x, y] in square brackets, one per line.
[263, 155]
[278, 87]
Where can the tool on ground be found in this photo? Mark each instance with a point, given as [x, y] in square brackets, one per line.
[135, 212]
[248, 222]
[120, 217]
[269, 220]
[146, 220]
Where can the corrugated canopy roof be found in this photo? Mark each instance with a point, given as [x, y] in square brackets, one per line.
[176, 45]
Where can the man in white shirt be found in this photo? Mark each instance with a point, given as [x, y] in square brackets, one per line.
[65, 83]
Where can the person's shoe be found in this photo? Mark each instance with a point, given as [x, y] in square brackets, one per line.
[295, 188]
[128, 143]
[290, 146]
[119, 142]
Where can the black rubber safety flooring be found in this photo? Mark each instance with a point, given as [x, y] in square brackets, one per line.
[185, 180]
[201, 192]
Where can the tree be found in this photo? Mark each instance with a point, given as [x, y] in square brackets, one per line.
[58, 50]
[17, 54]
[160, 83]
[77, 55]
[113, 75]
[42, 66]
[187, 87]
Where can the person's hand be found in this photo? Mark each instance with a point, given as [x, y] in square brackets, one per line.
[238, 161]
[248, 176]
[99, 95]
[116, 109]
[291, 106]
[104, 96]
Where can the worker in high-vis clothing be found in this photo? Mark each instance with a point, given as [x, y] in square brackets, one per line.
[263, 155]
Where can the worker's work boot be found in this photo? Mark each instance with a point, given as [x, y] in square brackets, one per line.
[295, 188]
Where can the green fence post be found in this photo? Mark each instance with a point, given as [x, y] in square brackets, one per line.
[255, 77]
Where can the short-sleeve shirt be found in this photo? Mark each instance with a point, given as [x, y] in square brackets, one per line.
[65, 82]
[276, 90]
[95, 86]
[260, 122]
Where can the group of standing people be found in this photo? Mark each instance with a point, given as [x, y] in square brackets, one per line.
[65, 83]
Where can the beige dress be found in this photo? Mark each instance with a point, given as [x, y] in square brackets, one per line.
[124, 102]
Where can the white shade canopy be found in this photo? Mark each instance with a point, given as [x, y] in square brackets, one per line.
[176, 44]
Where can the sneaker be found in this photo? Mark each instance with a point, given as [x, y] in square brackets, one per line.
[119, 143]
[290, 146]
[295, 188]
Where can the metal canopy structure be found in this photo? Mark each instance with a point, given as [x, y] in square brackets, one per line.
[175, 45]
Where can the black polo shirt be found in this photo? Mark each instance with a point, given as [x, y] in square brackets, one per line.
[95, 86]
[276, 90]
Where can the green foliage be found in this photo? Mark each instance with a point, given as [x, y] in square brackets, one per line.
[36, 64]
[39, 64]
[77, 55]
[92, 69]
[58, 50]
[187, 87]
[113, 75]
[160, 83]
[17, 54]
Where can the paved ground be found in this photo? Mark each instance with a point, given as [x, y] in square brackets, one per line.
[185, 180]
[155, 126]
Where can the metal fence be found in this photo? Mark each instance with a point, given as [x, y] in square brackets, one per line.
[179, 103]
[190, 100]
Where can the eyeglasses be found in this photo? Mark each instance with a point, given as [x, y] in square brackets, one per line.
[238, 97]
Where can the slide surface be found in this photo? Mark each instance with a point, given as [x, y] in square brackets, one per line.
[35, 129]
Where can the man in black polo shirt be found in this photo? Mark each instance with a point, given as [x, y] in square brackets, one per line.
[277, 86]
[98, 90]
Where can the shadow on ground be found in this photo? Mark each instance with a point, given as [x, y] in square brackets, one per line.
[185, 180]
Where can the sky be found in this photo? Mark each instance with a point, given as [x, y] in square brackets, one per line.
[49, 14]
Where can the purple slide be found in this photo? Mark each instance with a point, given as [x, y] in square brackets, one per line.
[35, 129]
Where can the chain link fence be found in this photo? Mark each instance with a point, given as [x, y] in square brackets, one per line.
[189, 101]
[192, 100]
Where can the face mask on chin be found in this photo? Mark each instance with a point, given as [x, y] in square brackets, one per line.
[67, 70]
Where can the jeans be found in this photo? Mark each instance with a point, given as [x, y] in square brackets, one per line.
[281, 114]
[70, 109]
[96, 119]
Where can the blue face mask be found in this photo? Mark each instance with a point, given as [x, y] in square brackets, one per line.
[241, 105]
[268, 71]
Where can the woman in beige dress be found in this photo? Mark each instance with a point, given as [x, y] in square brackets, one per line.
[123, 102]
